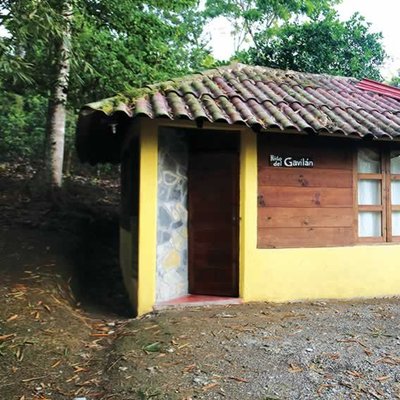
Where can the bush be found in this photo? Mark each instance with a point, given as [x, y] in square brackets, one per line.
[22, 126]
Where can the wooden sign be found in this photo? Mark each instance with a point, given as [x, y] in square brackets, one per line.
[290, 162]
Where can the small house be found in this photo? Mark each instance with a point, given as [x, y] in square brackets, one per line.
[253, 184]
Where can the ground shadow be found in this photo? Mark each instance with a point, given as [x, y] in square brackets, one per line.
[97, 280]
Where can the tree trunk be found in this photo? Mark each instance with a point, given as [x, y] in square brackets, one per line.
[57, 110]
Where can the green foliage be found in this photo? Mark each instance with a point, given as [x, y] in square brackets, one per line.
[268, 10]
[127, 44]
[395, 81]
[321, 46]
[22, 125]
[251, 16]
[117, 45]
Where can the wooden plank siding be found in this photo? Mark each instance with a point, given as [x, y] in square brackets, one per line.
[305, 207]
[304, 237]
[304, 177]
[303, 197]
[289, 217]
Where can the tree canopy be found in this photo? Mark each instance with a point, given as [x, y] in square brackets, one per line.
[326, 45]
[116, 44]
[248, 17]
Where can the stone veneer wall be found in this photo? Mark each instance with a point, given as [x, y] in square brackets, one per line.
[172, 235]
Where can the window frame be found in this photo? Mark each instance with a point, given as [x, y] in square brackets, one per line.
[385, 177]
[391, 207]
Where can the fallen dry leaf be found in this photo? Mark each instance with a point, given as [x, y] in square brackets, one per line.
[56, 364]
[352, 341]
[333, 356]
[210, 386]
[189, 368]
[12, 318]
[355, 374]
[237, 379]
[6, 337]
[322, 387]
[72, 378]
[80, 369]
[101, 328]
[389, 360]
[376, 395]
[294, 368]
[380, 392]
[19, 354]
[150, 327]
[46, 307]
[32, 379]
[55, 299]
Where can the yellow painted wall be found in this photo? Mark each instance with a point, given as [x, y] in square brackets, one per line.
[316, 273]
[330, 273]
[147, 216]
[267, 274]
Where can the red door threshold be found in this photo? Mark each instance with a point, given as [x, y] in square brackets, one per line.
[197, 300]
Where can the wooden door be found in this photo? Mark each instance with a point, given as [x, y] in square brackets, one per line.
[213, 222]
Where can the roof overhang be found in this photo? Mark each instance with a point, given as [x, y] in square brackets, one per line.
[263, 99]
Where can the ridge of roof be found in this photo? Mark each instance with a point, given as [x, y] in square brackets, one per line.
[379, 87]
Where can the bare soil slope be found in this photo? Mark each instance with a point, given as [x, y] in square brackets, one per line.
[61, 294]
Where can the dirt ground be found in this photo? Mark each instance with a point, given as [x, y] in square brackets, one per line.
[65, 330]
[327, 350]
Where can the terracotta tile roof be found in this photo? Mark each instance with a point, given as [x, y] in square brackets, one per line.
[265, 98]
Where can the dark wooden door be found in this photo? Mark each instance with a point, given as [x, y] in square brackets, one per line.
[213, 223]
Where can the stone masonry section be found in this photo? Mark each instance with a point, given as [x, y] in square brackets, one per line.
[172, 235]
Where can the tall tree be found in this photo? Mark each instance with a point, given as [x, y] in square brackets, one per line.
[85, 49]
[322, 46]
[58, 101]
[251, 16]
